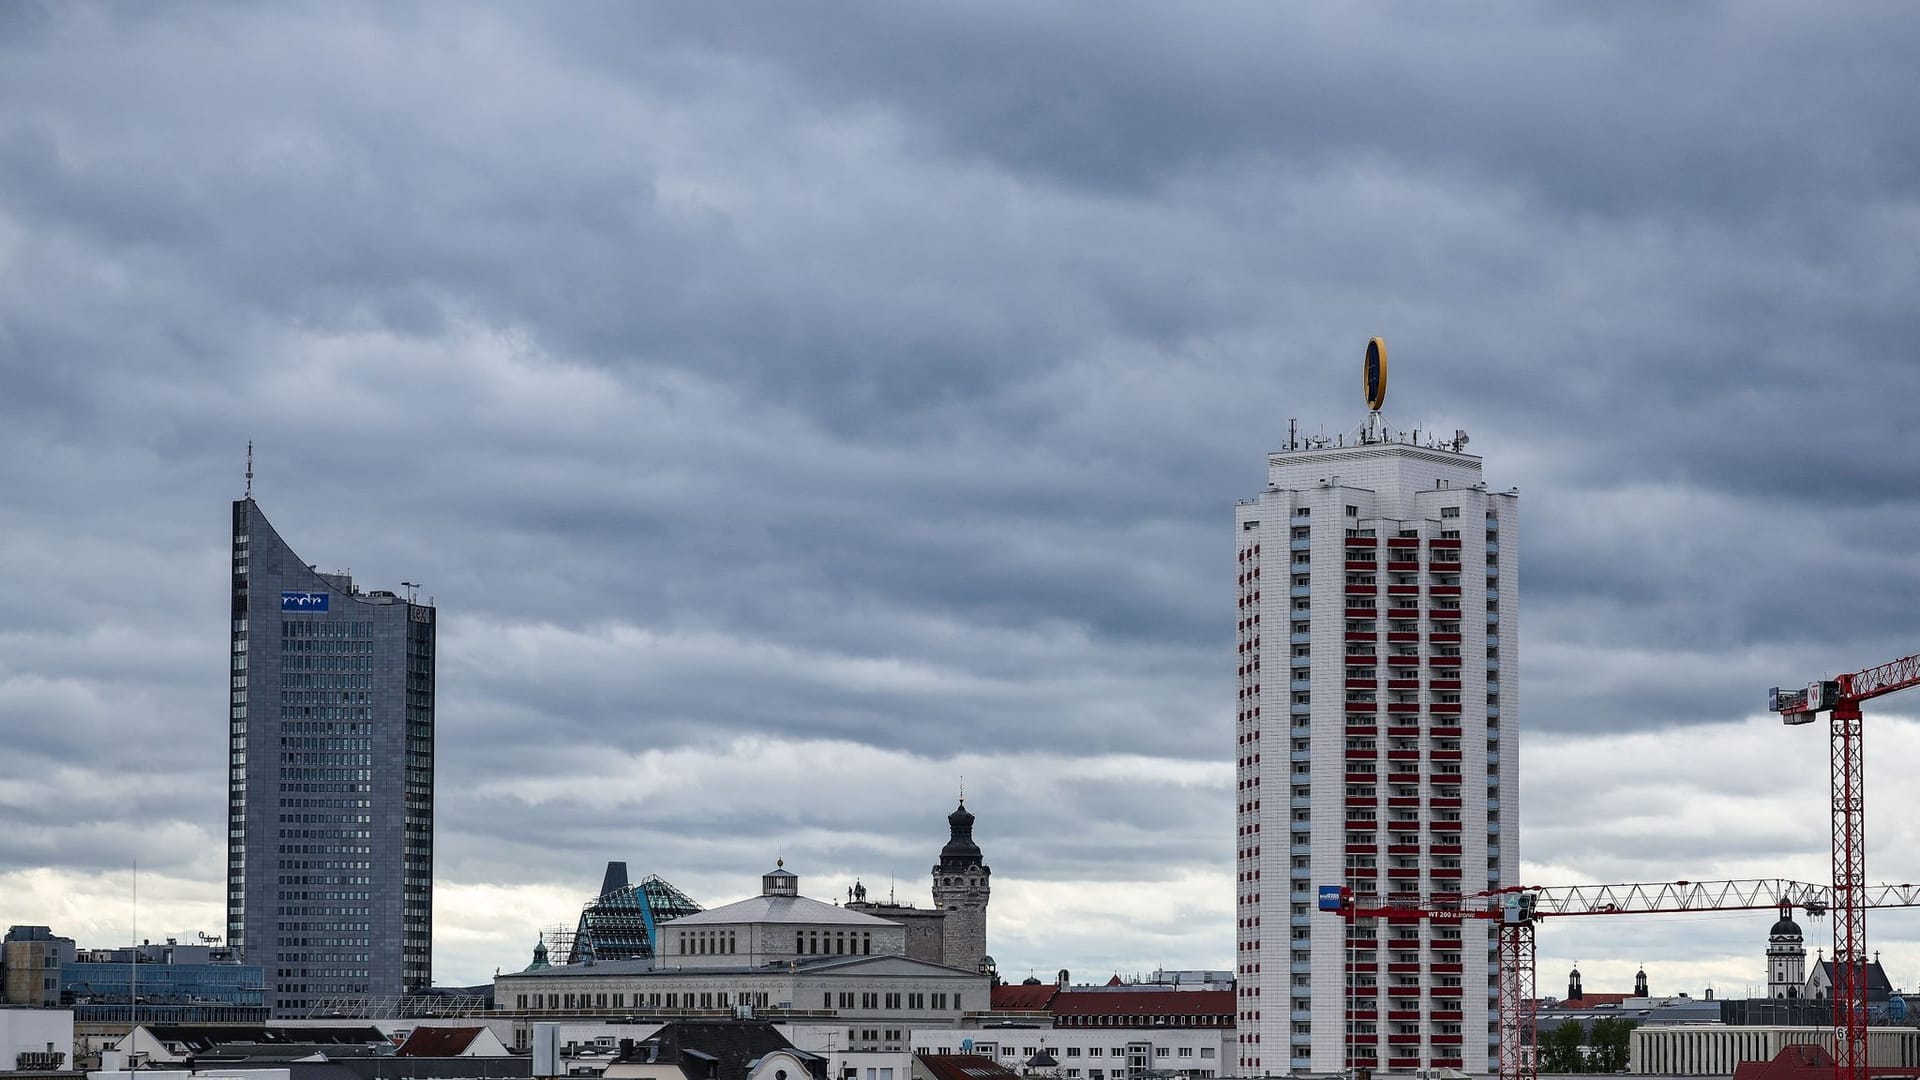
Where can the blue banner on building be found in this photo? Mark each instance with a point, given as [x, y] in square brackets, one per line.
[1331, 897]
[303, 601]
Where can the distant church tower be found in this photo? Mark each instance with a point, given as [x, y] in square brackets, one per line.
[1573, 985]
[1786, 957]
[960, 888]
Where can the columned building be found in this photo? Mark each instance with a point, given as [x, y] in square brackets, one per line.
[1376, 710]
[330, 778]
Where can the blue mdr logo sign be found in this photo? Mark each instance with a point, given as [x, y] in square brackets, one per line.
[303, 601]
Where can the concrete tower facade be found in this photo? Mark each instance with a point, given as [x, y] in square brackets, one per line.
[1377, 700]
[1786, 957]
[961, 888]
[330, 778]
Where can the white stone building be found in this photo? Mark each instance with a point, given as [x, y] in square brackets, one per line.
[780, 956]
[1377, 702]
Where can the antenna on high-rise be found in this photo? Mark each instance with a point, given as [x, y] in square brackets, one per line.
[249, 468]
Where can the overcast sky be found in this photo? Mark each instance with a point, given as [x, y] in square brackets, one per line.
[794, 409]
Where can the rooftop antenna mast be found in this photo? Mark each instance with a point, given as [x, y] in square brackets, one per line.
[249, 468]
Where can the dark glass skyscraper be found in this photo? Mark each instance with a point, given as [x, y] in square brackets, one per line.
[330, 778]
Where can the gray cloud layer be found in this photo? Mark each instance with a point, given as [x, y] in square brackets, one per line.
[812, 408]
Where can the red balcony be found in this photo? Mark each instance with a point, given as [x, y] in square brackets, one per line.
[1403, 684]
[1442, 732]
[1362, 613]
[1403, 1015]
[1362, 729]
[1403, 755]
[1446, 991]
[1404, 732]
[1360, 777]
[1403, 778]
[1361, 849]
[1444, 849]
[1441, 590]
[1445, 802]
[1403, 1063]
[1358, 754]
[1402, 800]
[1402, 943]
[1403, 969]
[1367, 636]
[1440, 872]
[1397, 566]
[1403, 1040]
[1441, 1016]
[1444, 661]
[1403, 541]
[1444, 562]
[1362, 541]
[1446, 755]
[1403, 872]
[1361, 684]
[1403, 706]
[1444, 637]
[1361, 800]
[1368, 872]
[1414, 590]
[1361, 707]
[1443, 684]
[1444, 542]
[1362, 565]
[1406, 637]
[1364, 1014]
[1446, 969]
[1403, 613]
[1403, 849]
[1360, 590]
[1364, 965]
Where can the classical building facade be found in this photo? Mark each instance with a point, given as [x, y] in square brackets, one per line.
[1376, 705]
[330, 777]
[778, 955]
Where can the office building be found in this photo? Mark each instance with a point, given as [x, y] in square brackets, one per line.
[1376, 708]
[330, 780]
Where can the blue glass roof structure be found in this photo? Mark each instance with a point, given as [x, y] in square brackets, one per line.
[623, 922]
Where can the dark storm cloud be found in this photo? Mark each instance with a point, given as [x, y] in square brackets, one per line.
[792, 411]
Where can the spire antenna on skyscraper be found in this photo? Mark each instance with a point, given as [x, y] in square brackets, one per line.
[249, 468]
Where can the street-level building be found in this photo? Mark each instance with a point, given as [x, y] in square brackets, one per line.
[330, 778]
[1376, 629]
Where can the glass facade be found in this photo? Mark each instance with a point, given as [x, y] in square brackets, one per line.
[330, 774]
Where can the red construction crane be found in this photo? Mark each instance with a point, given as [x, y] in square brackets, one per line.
[1520, 908]
[1843, 697]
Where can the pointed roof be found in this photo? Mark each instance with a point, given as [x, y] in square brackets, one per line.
[439, 1041]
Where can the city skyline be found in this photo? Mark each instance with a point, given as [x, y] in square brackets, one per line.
[798, 419]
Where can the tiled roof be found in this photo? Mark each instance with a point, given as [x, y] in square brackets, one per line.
[731, 1045]
[1151, 1004]
[439, 1041]
[1023, 998]
[965, 1067]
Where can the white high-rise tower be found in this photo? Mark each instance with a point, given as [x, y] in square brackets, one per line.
[1377, 705]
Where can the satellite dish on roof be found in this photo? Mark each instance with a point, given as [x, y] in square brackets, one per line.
[1459, 438]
